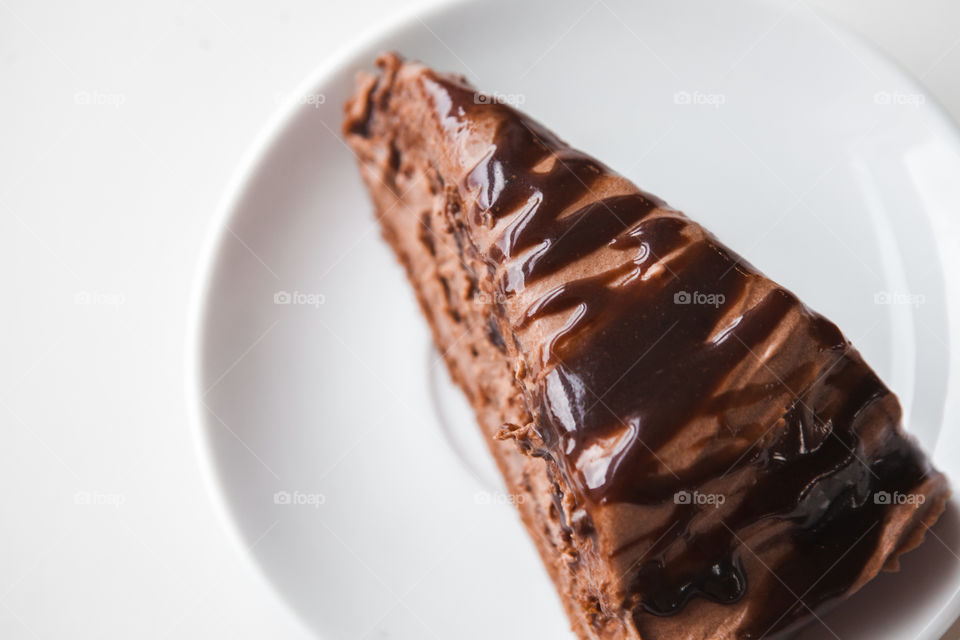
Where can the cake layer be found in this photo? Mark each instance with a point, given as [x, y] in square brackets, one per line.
[700, 454]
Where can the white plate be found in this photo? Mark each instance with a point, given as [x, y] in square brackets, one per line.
[797, 145]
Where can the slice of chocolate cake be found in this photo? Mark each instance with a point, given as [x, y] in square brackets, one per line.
[699, 454]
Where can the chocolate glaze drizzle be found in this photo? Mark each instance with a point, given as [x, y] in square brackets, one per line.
[634, 368]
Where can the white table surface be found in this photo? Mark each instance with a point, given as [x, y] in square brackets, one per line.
[103, 211]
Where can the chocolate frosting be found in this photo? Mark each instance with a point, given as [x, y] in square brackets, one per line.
[666, 370]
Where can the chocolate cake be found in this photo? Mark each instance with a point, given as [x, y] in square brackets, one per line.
[696, 453]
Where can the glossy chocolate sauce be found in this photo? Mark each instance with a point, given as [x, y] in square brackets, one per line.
[638, 364]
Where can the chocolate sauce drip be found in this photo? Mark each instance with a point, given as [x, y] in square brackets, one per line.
[596, 224]
[626, 365]
[643, 356]
[718, 579]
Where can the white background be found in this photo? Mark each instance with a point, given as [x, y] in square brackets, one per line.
[122, 125]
